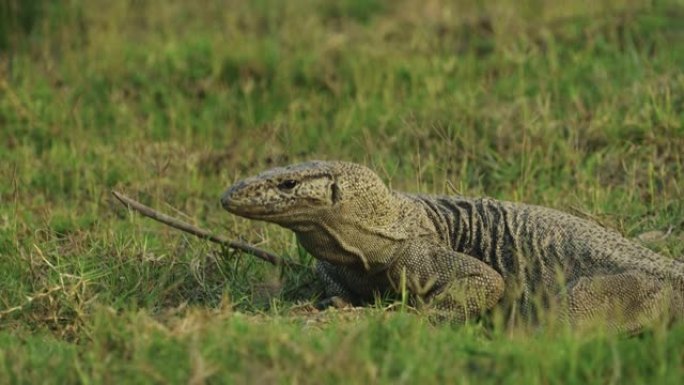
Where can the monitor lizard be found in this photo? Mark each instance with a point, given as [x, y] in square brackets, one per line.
[459, 257]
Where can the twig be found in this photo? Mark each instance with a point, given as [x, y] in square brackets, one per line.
[201, 233]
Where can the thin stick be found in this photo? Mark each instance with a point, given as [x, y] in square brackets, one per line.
[201, 233]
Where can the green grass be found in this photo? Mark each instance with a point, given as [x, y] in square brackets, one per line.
[578, 106]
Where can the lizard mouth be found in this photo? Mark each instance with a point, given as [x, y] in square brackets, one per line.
[230, 204]
[262, 214]
[247, 210]
[234, 207]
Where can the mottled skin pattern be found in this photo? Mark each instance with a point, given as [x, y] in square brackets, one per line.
[459, 257]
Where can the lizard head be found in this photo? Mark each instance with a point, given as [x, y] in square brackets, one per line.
[342, 212]
[305, 192]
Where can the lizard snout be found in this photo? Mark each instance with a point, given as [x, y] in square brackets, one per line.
[225, 200]
[228, 197]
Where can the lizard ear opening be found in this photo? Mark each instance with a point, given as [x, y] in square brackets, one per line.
[336, 193]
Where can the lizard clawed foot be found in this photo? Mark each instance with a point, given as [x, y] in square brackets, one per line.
[334, 301]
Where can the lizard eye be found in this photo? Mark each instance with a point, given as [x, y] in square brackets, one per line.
[288, 184]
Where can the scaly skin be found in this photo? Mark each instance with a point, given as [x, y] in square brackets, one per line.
[459, 257]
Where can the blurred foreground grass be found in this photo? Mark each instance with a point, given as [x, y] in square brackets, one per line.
[578, 106]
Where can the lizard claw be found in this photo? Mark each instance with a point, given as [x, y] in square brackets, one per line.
[334, 301]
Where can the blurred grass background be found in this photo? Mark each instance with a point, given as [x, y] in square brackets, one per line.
[576, 105]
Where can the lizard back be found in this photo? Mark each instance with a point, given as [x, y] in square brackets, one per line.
[536, 245]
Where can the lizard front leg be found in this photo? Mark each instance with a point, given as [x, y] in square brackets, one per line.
[337, 293]
[445, 283]
[346, 286]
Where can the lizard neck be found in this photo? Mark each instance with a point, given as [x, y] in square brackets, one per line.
[361, 235]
